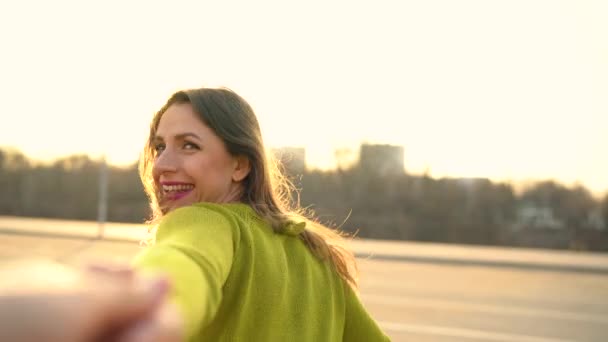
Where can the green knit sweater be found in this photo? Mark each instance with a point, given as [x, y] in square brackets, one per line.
[234, 279]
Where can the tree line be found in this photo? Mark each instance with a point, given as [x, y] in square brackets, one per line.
[395, 206]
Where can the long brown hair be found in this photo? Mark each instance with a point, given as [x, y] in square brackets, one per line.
[266, 189]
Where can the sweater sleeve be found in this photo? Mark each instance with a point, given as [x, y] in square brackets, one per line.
[194, 248]
[359, 325]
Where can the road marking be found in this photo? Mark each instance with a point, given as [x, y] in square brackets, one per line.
[464, 333]
[500, 310]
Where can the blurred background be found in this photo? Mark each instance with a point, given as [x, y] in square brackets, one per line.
[463, 142]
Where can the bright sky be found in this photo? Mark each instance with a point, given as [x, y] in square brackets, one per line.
[511, 90]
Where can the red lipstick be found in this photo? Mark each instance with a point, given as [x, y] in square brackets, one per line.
[175, 190]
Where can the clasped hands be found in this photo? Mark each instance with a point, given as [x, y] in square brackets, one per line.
[44, 301]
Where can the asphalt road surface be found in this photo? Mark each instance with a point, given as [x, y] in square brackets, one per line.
[416, 301]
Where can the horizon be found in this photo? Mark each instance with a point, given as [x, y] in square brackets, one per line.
[504, 91]
[518, 185]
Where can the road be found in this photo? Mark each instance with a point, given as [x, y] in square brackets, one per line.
[420, 301]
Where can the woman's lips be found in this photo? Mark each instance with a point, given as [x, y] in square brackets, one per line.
[173, 191]
[175, 195]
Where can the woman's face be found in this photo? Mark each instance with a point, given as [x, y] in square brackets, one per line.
[192, 164]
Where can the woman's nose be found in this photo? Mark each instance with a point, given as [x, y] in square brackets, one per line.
[165, 162]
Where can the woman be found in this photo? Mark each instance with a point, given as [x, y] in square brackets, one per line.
[243, 266]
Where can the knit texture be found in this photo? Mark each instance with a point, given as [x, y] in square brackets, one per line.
[234, 279]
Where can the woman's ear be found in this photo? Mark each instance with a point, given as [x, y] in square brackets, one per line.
[241, 168]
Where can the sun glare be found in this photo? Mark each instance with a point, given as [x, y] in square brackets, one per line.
[467, 94]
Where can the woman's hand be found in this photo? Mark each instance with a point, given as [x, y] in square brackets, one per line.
[165, 325]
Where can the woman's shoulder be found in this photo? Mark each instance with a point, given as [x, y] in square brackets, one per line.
[212, 216]
[210, 211]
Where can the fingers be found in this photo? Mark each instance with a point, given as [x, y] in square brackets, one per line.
[119, 271]
[122, 300]
[144, 331]
[164, 326]
[84, 306]
[118, 298]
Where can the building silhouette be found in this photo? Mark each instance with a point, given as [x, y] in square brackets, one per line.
[382, 160]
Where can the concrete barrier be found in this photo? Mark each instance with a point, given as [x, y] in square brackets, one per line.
[436, 253]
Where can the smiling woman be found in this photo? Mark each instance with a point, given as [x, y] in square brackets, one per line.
[192, 164]
[244, 264]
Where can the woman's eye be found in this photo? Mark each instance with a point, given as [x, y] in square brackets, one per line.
[190, 146]
[159, 148]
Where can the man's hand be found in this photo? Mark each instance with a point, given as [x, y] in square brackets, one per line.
[44, 301]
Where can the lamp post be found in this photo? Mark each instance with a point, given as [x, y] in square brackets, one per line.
[102, 203]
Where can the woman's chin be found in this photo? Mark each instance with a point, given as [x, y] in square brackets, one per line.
[169, 205]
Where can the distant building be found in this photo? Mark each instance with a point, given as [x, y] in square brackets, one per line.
[382, 160]
[293, 159]
[595, 219]
[471, 183]
[538, 227]
[532, 216]
[472, 186]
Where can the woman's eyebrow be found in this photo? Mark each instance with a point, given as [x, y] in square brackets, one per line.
[187, 134]
[180, 136]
